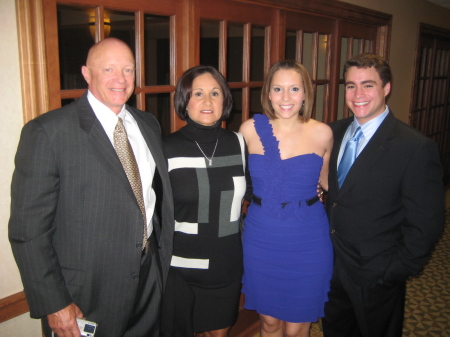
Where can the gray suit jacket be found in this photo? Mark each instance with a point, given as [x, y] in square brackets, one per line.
[75, 226]
[389, 212]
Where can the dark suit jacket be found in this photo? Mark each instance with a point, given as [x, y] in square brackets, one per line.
[75, 226]
[388, 214]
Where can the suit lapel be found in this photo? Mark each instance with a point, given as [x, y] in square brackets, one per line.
[371, 154]
[153, 143]
[99, 143]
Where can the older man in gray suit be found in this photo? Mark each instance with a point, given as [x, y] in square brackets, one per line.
[88, 242]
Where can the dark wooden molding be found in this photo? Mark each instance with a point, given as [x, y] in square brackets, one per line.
[434, 31]
[13, 306]
[329, 8]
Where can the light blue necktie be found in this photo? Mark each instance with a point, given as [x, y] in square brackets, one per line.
[349, 156]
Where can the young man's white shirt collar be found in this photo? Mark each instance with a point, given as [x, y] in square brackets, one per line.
[369, 128]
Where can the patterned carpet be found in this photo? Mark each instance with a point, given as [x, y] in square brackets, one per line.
[427, 311]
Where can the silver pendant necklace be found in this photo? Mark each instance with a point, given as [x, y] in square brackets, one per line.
[208, 159]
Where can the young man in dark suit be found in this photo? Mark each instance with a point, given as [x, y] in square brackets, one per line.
[385, 205]
[91, 228]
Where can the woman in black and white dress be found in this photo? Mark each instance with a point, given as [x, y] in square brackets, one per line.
[207, 170]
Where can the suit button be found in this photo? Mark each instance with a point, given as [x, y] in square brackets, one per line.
[139, 245]
[333, 231]
[335, 204]
[135, 276]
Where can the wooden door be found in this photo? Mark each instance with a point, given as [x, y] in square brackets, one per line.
[430, 107]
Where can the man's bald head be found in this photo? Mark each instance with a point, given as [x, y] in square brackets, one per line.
[110, 72]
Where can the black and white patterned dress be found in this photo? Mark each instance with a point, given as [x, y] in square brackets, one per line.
[207, 249]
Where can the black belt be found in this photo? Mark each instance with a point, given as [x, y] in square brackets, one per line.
[309, 202]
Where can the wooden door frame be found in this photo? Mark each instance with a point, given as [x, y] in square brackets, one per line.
[35, 65]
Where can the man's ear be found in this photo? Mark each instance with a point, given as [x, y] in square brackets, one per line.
[387, 89]
[86, 74]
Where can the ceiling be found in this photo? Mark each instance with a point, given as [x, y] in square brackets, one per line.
[443, 3]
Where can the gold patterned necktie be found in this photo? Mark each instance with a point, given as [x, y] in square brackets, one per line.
[128, 160]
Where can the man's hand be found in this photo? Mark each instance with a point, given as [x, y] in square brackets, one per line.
[320, 192]
[64, 322]
[245, 205]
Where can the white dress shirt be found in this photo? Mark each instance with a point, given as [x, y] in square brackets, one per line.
[144, 158]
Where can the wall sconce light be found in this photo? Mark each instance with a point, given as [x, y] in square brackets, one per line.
[324, 42]
[106, 26]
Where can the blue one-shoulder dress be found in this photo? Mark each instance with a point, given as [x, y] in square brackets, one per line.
[288, 255]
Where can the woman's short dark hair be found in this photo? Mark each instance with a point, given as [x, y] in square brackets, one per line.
[306, 110]
[184, 88]
[368, 61]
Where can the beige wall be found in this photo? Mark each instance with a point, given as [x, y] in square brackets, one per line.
[406, 17]
[10, 125]
[11, 122]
